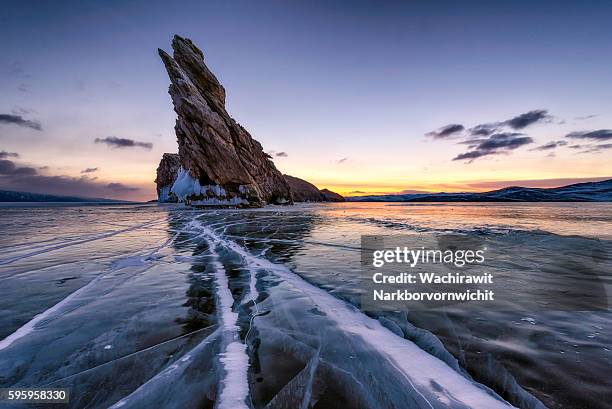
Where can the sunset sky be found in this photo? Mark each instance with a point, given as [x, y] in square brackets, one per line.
[362, 97]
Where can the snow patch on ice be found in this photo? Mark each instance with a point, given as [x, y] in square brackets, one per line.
[235, 386]
[224, 295]
[418, 367]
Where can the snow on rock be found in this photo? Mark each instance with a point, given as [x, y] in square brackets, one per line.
[214, 150]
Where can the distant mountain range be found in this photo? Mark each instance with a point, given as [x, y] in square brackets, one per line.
[579, 192]
[10, 196]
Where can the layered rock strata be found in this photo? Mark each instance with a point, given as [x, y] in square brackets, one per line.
[219, 162]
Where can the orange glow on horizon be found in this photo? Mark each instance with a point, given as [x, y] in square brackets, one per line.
[366, 189]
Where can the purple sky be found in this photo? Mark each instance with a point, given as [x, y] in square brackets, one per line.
[358, 95]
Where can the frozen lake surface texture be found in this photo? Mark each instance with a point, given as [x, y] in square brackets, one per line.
[146, 306]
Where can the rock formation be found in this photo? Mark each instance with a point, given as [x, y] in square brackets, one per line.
[303, 191]
[332, 196]
[166, 176]
[219, 162]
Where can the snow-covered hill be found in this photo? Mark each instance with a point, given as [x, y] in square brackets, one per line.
[579, 192]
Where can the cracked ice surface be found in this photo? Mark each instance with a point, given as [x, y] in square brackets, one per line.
[224, 308]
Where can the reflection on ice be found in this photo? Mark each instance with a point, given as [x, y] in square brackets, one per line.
[254, 309]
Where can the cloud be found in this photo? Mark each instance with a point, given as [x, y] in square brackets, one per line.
[19, 110]
[484, 129]
[277, 154]
[19, 121]
[62, 185]
[27, 179]
[16, 70]
[8, 168]
[550, 145]
[598, 148]
[471, 155]
[592, 148]
[446, 131]
[115, 142]
[342, 160]
[120, 187]
[472, 143]
[496, 144]
[89, 170]
[357, 192]
[493, 138]
[5, 154]
[517, 123]
[528, 118]
[586, 117]
[598, 135]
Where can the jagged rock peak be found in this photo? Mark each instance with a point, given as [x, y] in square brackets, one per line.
[220, 163]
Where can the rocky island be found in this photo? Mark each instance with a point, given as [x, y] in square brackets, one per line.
[218, 162]
[303, 191]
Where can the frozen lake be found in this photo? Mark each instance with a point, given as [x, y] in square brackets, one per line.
[163, 306]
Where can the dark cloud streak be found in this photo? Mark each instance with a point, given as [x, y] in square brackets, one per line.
[8, 168]
[494, 145]
[592, 148]
[528, 118]
[62, 185]
[27, 179]
[115, 142]
[517, 123]
[550, 145]
[19, 121]
[446, 131]
[120, 187]
[586, 117]
[5, 154]
[598, 135]
[484, 129]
